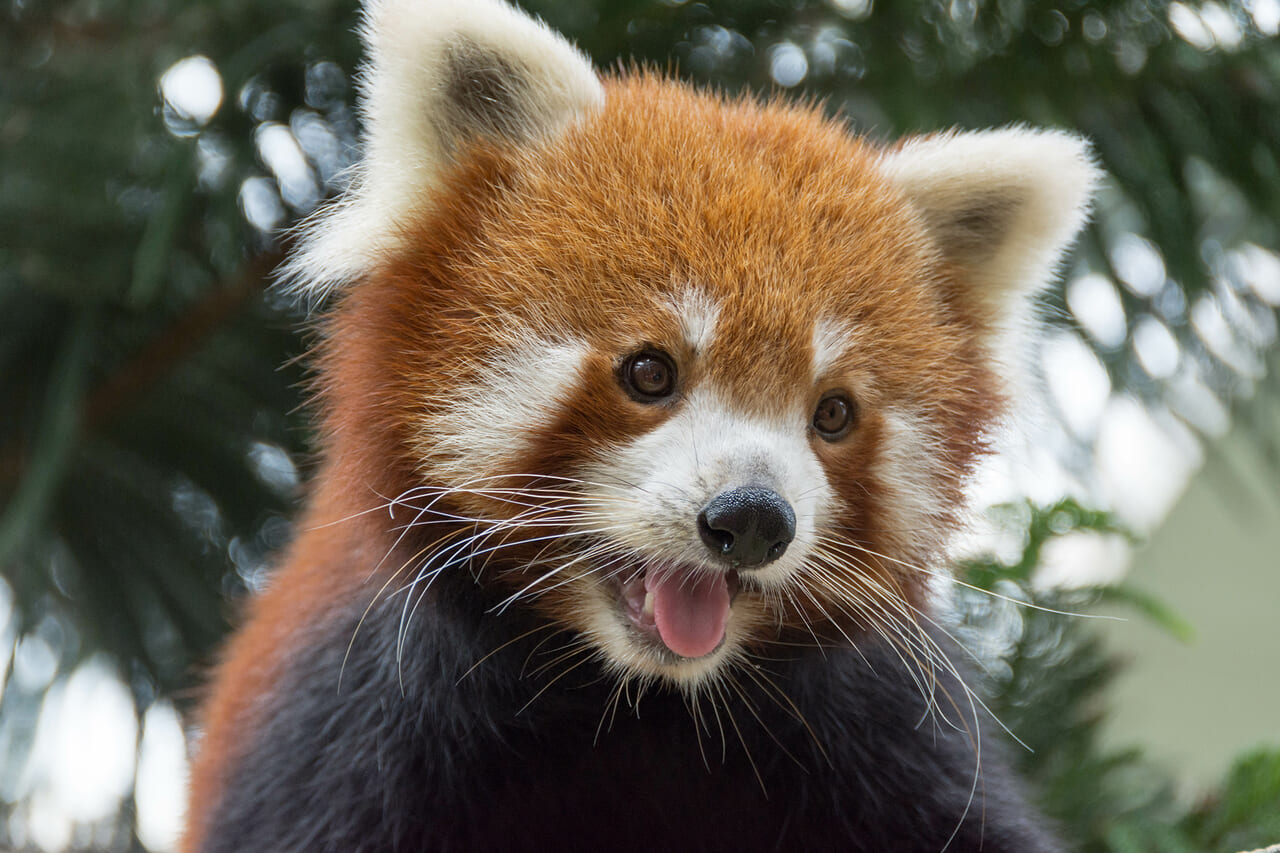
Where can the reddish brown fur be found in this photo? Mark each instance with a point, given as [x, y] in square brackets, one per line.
[776, 212]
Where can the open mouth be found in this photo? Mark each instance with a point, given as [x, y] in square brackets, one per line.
[682, 610]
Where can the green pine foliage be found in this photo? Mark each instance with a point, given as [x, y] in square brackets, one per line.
[1047, 675]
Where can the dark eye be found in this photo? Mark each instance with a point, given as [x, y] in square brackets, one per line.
[834, 416]
[648, 376]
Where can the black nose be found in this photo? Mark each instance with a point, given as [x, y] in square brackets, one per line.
[749, 526]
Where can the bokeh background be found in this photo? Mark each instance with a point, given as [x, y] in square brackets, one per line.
[154, 445]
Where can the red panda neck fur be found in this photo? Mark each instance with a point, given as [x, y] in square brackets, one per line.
[694, 382]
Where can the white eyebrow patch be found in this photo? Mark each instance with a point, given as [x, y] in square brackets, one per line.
[698, 314]
[831, 339]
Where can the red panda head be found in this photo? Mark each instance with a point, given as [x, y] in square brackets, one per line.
[689, 376]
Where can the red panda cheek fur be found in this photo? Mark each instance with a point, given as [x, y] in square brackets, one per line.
[453, 654]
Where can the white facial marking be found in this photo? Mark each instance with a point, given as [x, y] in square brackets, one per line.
[911, 469]
[484, 426]
[698, 314]
[831, 339]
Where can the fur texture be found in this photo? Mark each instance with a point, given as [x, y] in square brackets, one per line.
[438, 73]
[579, 324]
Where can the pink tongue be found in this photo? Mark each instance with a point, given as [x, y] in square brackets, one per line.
[689, 611]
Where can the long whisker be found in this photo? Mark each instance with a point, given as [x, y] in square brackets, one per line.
[950, 578]
[586, 654]
[547, 626]
[610, 711]
[932, 651]
[728, 710]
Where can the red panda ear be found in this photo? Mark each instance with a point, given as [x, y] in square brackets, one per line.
[1001, 205]
[440, 73]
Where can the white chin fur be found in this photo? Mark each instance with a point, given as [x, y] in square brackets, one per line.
[631, 658]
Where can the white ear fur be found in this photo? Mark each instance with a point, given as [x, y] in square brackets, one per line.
[1003, 205]
[439, 73]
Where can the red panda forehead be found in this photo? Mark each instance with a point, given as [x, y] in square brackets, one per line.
[771, 215]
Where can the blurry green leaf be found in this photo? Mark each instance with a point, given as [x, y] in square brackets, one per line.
[1150, 606]
[161, 232]
[24, 516]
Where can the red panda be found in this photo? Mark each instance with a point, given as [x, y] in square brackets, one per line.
[647, 416]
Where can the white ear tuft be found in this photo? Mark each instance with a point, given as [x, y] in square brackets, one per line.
[1003, 205]
[440, 73]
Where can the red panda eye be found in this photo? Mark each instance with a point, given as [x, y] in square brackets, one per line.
[648, 376]
[834, 416]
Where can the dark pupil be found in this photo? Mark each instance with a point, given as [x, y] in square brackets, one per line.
[650, 376]
[832, 415]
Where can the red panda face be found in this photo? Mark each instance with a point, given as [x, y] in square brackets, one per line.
[693, 406]
[692, 379]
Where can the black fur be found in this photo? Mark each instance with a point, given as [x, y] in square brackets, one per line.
[433, 755]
